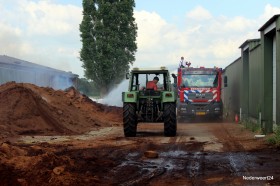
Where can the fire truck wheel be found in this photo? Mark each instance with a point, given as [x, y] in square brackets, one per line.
[169, 118]
[129, 119]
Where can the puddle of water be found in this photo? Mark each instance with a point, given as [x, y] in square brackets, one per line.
[132, 155]
[239, 161]
[174, 154]
[194, 165]
[173, 160]
[191, 164]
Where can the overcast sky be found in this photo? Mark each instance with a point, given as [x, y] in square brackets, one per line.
[207, 33]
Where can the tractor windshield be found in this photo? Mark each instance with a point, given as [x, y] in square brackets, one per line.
[139, 81]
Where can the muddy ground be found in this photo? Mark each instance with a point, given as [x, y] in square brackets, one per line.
[40, 146]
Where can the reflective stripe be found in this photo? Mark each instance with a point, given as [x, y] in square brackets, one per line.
[187, 92]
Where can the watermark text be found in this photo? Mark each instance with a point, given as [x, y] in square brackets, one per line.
[258, 178]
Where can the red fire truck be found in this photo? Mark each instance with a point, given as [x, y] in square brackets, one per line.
[199, 92]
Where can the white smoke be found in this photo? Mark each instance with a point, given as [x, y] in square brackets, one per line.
[62, 82]
[114, 98]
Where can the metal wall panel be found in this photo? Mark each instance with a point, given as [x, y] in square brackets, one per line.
[277, 53]
[231, 93]
[19, 76]
[44, 78]
[255, 77]
[245, 83]
[20, 71]
[274, 80]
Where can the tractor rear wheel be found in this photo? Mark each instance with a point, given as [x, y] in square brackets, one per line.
[129, 119]
[169, 118]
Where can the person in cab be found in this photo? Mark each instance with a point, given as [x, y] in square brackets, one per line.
[153, 84]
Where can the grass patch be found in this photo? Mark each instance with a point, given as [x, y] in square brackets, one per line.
[275, 138]
[252, 126]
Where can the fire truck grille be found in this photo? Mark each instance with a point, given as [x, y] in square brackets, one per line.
[205, 96]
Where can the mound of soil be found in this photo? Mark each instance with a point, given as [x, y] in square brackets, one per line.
[27, 109]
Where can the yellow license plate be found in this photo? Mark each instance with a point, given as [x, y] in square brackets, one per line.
[200, 113]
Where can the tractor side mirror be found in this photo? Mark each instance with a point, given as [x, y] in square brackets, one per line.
[225, 81]
[175, 80]
[127, 76]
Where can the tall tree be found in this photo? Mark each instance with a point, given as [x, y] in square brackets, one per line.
[108, 35]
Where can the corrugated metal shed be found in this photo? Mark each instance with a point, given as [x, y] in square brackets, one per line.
[260, 78]
[20, 71]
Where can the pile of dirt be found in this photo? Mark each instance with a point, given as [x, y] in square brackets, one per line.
[27, 109]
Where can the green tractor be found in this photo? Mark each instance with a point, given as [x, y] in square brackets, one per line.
[141, 104]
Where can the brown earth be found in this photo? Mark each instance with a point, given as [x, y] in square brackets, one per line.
[26, 109]
[63, 138]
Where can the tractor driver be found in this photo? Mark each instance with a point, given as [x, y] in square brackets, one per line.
[153, 84]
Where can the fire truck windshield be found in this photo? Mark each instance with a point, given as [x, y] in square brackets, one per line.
[199, 80]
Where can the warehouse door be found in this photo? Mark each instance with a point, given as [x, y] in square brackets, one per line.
[274, 79]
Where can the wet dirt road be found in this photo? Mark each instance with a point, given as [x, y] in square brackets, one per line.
[200, 154]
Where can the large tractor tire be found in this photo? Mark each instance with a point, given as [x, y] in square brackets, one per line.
[129, 119]
[169, 118]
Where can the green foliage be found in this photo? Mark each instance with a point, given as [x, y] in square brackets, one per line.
[108, 35]
[254, 127]
[88, 88]
[275, 139]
